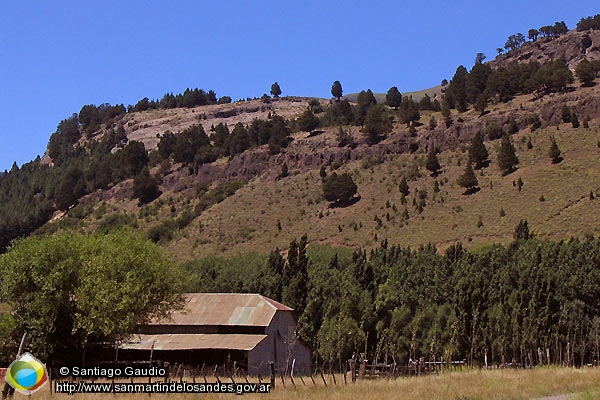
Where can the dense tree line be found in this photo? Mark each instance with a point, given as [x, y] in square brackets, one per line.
[91, 117]
[375, 119]
[550, 31]
[589, 23]
[31, 194]
[188, 99]
[516, 303]
[193, 147]
[482, 84]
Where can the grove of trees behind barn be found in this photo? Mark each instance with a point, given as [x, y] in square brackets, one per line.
[518, 303]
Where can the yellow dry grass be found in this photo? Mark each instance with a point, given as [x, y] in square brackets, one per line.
[555, 200]
[472, 384]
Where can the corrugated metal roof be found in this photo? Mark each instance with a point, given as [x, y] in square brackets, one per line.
[225, 309]
[194, 342]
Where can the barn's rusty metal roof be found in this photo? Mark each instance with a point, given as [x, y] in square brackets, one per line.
[193, 341]
[225, 309]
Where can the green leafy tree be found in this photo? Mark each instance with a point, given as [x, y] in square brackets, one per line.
[295, 276]
[65, 290]
[478, 152]
[554, 151]
[275, 90]
[339, 188]
[336, 90]
[393, 98]
[507, 156]
[273, 279]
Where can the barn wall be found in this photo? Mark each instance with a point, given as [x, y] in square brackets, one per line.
[281, 347]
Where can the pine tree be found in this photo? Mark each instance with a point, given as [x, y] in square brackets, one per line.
[284, 171]
[393, 98]
[145, 187]
[507, 156]
[586, 73]
[432, 163]
[377, 124]
[565, 114]
[480, 104]
[522, 231]
[308, 121]
[468, 180]
[403, 187]
[432, 123]
[574, 119]
[364, 101]
[339, 187]
[323, 173]
[409, 111]
[336, 90]
[478, 152]
[554, 152]
[275, 90]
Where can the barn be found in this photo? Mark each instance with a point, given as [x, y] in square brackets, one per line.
[220, 328]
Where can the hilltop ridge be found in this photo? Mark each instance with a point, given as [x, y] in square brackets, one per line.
[222, 188]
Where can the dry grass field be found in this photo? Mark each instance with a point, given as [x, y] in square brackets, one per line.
[540, 383]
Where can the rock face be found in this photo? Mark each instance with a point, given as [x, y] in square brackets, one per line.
[573, 46]
[311, 152]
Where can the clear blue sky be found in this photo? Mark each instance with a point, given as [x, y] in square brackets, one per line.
[58, 56]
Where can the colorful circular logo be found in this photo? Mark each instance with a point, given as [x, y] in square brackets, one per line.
[26, 374]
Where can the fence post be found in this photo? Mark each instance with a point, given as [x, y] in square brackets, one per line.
[323, 377]
[353, 370]
[272, 368]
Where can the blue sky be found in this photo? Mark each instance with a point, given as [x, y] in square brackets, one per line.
[58, 56]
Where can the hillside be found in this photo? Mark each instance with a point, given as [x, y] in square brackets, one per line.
[460, 226]
[236, 201]
[248, 220]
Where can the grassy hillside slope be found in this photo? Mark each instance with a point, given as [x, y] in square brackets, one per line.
[555, 199]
